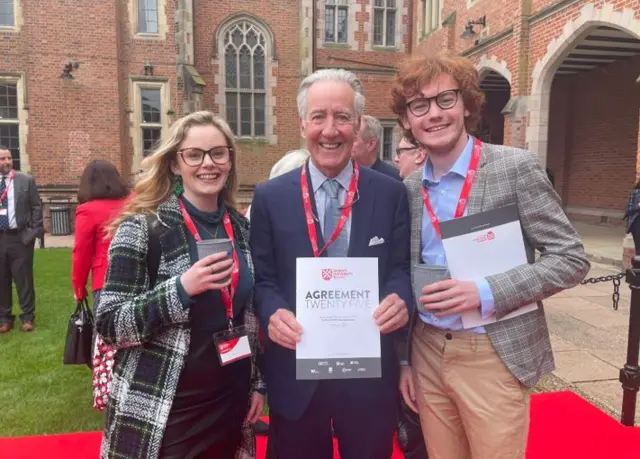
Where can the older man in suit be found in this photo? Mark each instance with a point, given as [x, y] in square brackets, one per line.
[363, 411]
[20, 225]
[471, 385]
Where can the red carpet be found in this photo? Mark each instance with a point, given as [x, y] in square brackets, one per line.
[563, 426]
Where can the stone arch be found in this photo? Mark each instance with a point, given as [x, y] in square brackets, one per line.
[545, 68]
[257, 21]
[487, 64]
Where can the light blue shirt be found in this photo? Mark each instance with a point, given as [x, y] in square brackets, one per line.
[444, 195]
[321, 197]
[11, 201]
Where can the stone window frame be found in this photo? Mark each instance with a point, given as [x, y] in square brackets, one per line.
[402, 11]
[162, 21]
[18, 20]
[271, 66]
[352, 26]
[135, 111]
[386, 9]
[19, 80]
[430, 22]
[392, 125]
[337, 6]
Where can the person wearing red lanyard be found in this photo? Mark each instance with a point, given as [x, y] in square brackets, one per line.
[471, 386]
[185, 382]
[20, 225]
[329, 207]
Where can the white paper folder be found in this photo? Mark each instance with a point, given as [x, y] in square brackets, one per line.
[482, 245]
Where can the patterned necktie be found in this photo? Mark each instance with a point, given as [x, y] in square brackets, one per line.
[332, 213]
[4, 205]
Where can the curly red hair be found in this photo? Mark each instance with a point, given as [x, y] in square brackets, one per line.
[418, 70]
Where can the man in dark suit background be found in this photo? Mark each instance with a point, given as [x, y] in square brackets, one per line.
[365, 148]
[20, 225]
[363, 411]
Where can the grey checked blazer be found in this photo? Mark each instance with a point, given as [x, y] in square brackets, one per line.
[508, 175]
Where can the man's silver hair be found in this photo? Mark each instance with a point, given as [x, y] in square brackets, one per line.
[339, 75]
[290, 161]
[371, 128]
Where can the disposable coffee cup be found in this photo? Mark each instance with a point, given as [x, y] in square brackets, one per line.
[211, 246]
[426, 275]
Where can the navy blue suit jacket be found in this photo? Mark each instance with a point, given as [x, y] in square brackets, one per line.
[279, 236]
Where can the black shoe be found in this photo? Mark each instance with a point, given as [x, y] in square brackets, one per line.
[260, 427]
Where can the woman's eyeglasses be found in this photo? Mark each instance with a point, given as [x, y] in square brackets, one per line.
[195, 156]
[446, 100]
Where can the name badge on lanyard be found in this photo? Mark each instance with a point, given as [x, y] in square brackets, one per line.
[232, 344]
[4, 211]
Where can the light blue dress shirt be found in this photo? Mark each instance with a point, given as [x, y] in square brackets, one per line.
[321, 197]
[444, 195]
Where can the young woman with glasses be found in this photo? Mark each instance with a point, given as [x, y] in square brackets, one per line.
[185, 382]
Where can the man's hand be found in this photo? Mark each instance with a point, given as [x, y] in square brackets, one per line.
[407, 388]
[448, 297]
[284, 329]
[391, 314]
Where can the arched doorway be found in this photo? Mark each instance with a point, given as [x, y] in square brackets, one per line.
[497, 91]
[583, 114]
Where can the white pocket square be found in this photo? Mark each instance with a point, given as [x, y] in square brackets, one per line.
[376, 241]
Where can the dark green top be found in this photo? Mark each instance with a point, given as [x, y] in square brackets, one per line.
[207, 308]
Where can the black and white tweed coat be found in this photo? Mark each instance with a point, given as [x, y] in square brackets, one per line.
[151, 330]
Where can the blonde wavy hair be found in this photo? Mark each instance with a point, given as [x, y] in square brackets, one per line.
[155, 183]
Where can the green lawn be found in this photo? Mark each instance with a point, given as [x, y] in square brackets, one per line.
[38, 394]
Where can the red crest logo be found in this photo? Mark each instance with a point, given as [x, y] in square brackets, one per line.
[491, 235]
[327, 274]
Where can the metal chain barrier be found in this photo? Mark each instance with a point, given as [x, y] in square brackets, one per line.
[615, 278]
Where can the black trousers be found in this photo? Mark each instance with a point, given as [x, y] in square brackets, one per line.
[16, 265]
[364, 424]
[410, 433]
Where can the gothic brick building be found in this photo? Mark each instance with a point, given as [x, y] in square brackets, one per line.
[561, 78]
[81, 79]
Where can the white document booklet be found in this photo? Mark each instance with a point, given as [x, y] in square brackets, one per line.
[335, 302]
[481, 245]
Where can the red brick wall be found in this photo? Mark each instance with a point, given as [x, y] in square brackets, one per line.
[604, 136]
[73, 121]
[282, 17]
[560, 126]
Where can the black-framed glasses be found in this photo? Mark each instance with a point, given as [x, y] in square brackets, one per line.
[195, 156]
[399, 150]
[446, 100]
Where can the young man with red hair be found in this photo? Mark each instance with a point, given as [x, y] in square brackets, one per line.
[471, 386]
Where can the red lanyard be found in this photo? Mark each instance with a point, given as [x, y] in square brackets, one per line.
[7, 185]
[346, 209]
[227, 293]
[464, 193]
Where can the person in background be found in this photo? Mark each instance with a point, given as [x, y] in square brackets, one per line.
[365, 148]
[632, 215]
[291, 160]
[101, 196]
[173, 394]
[20, 225]
[408, 157]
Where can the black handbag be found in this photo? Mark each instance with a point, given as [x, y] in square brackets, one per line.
[78, 347]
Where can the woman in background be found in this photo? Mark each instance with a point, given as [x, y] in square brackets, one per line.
[101, 196]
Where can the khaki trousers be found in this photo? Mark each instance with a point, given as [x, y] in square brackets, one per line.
[470, 404]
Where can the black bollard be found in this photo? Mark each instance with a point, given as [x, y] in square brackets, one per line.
[630, 373]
